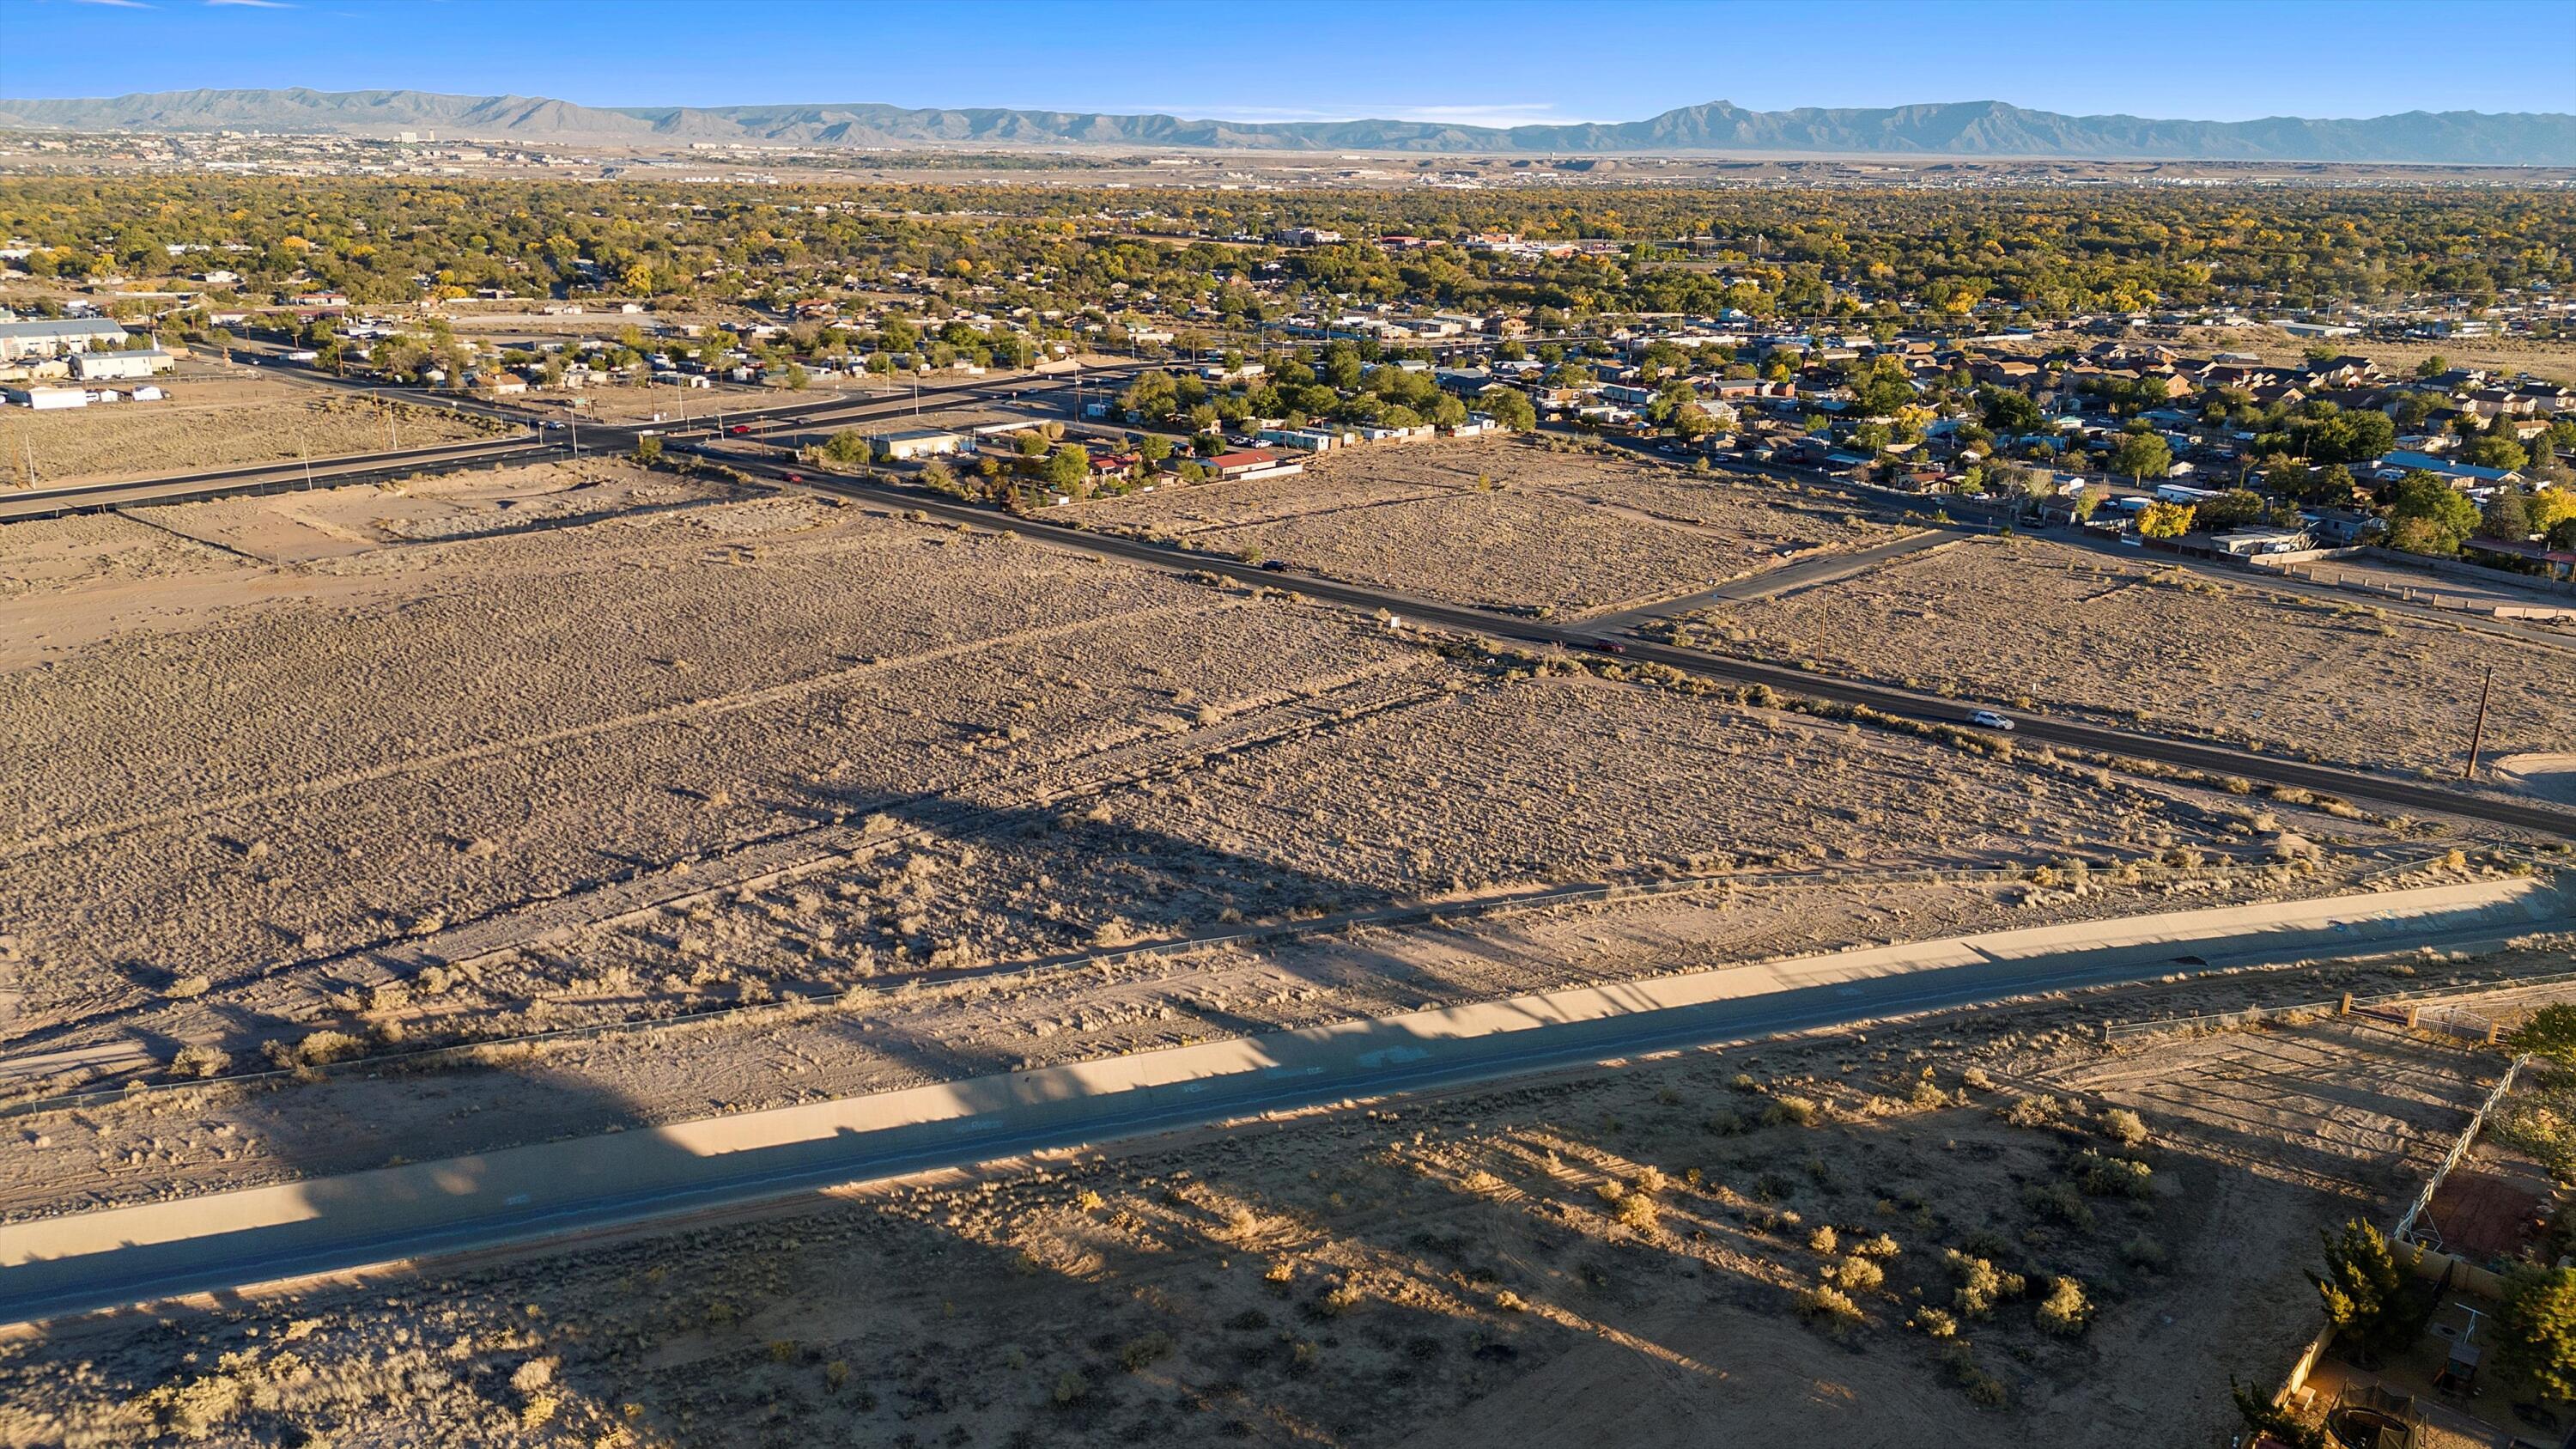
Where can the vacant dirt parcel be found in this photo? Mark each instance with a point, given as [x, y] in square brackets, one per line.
[216, 423]
[1929, 1235]
[1497, 523]
[559, 745]
[971, 750]
[2036, 625]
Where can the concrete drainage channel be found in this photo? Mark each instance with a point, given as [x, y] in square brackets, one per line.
[87, 1261]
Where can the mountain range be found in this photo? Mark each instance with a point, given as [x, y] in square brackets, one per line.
[1967, 128]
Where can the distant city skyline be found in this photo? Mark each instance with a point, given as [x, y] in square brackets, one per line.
[1492, 62]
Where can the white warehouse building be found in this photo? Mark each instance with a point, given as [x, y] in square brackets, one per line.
[56, 337]
[100, 366]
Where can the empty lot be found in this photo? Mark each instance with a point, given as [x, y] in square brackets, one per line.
[1497, 523]
[216, 423]
[2035, 625]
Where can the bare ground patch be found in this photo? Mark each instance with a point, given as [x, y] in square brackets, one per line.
[2029, 624]
[217, 424]
[1496, 523]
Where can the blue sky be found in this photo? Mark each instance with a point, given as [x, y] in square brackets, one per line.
[1490, 61]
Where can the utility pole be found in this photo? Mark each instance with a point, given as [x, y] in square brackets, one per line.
[2477, 731]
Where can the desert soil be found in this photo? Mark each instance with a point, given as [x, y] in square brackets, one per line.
[1498, 523]
[2034, 625]
[215, 423]
[1629, 1254]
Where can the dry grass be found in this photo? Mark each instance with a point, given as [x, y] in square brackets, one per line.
[1578, 1259]
[2034, 625]
[1566, 532]
[215, 424]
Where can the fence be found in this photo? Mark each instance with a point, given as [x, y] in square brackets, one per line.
[2459, 1149]
[2245, 1017]
[2428, 1259]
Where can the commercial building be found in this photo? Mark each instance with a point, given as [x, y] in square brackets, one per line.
[106, 366]
[925, 443]
[43, 337]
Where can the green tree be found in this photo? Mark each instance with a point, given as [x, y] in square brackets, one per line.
[2366, 1295]
[2427, 515]
[2537, 1348]
[648, 450]
[2141, 455]
[2433, 364]
[849, 448]
[1069, 467]
[2262, 1416]
[1508, 407]
[2507, 517]
[2233, 509]
[2551, 1033]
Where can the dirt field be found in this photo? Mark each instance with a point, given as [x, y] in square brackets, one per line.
[1635, 1255]
[657, 683]
[215, 423]
[1563, 532]
[2034, 625]
[2508, 355]
[494, 753]
[2556, 360]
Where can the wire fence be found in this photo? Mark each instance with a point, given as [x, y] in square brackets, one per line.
[2406, 1222]
[2451, 1021]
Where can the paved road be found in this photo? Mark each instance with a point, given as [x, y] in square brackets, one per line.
[58, 1266]
[2212, 758]
[276, 477]
[817, 411]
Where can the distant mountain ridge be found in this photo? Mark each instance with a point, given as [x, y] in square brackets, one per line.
[1965, 128]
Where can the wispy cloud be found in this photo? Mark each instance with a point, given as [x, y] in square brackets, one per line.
[253, 4]
[116, 4]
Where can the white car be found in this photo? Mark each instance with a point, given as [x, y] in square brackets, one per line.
[1988, 719]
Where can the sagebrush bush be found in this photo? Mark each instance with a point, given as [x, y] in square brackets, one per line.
[2039, 1111]
[2065, 1311]
[2102, 1176]
[199, 1061]
[1136, 1353]
[1829, 1304]
[1791, 1110]
[1859, 1275]
[2059, 1202]
[1981, 1284]
[2124, 1127]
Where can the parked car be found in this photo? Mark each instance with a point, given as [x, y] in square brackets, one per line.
[1988, 719]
